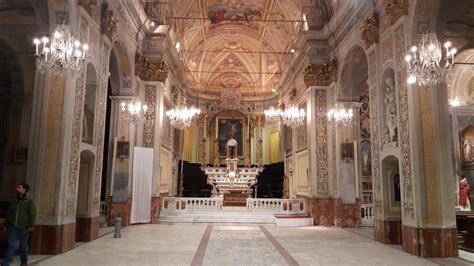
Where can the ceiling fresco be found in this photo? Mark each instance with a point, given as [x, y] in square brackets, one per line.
[239, 45]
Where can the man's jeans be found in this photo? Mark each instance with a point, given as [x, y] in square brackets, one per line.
[14, 235]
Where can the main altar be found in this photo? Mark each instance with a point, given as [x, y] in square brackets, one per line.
[233, 183]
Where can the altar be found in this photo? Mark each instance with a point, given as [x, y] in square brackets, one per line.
[233, 183]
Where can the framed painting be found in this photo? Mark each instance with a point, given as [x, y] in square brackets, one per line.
[366, 157]
[227, 128]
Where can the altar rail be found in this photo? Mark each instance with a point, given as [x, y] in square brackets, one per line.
[277, 206]
[192, 204]
[367, 215]
[284, 206]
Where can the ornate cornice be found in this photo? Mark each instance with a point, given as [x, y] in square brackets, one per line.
[370, 31]
[395, 9]
[320, 75]
[150, 71]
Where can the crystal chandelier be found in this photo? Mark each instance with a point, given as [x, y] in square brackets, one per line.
[272, 114]
[340, 115]
[181, 117]
[60, 52]
[134, 111]
[293, 116]
[425, 64]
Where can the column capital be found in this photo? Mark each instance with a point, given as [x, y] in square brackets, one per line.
[150, 71]
[320, 74]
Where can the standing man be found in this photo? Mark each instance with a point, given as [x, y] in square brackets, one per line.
[21, 216]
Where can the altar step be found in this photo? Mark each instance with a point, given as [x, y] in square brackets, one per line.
[231, 217]
[283, 212]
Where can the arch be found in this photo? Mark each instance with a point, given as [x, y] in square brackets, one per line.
[85, 186]
[354, 74]
[120, 69]
[89, 106]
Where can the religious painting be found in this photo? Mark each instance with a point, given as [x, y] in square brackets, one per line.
[123, 149]
[165, 133]
[347, 151]
[287, 134]
[302, 133]
[230, 128]
[244, 12]
[366, 157]
[467, 147]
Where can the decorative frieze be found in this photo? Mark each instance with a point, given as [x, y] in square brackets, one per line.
[375, 134]
[150, 71]
[404, 123]
[370, 31]
[321, 144]
[394, 9]
[149, 125]
[108, 21]
[320, 75]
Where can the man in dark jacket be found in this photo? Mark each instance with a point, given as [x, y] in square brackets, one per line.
[21, 216]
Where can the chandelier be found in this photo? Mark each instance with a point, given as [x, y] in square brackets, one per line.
[340, 115]
[134, 111]
[426, 64]
[272, 114]
[60, 52]
[181, 117]
[293, 116]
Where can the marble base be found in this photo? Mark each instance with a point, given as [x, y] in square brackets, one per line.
[388, 232]
[430, 242]
[120, 209]
[156, 206]
[87, 229]
[332, 212]
[52, 239]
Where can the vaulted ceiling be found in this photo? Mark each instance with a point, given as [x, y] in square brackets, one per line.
[236, 45]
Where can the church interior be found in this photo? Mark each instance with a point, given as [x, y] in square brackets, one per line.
[200, 125]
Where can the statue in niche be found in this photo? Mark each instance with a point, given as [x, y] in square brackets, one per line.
[390, 131]
[467, 149]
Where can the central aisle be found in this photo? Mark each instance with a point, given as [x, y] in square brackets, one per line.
[155, 244]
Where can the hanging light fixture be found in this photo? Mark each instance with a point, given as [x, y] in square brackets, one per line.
[134, 111]
[59, 53]
[181, 117]
[293, 116]
[426, 64]
[340, 115]
[272, 114]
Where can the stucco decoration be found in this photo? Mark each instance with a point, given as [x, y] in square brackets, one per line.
[76, 137]
[370, 31]
[108, 21]
[320, 75]
[400, 49]
[394, 9]
[375, 134]
[150, 71]
[104, 74]
[149, 125]
[321, 144]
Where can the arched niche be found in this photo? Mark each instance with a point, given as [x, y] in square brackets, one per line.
[389, 110]
[84, 191]
[391, 186]
[90, 99]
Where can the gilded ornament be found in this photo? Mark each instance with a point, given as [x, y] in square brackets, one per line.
[150, 71]
[320, 75]
[370, 31]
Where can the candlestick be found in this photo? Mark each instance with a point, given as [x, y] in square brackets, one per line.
[216, 127]
[248, 126]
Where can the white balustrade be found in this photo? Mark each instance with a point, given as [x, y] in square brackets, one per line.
[191, 204]
[283, 206]
[367, 214]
